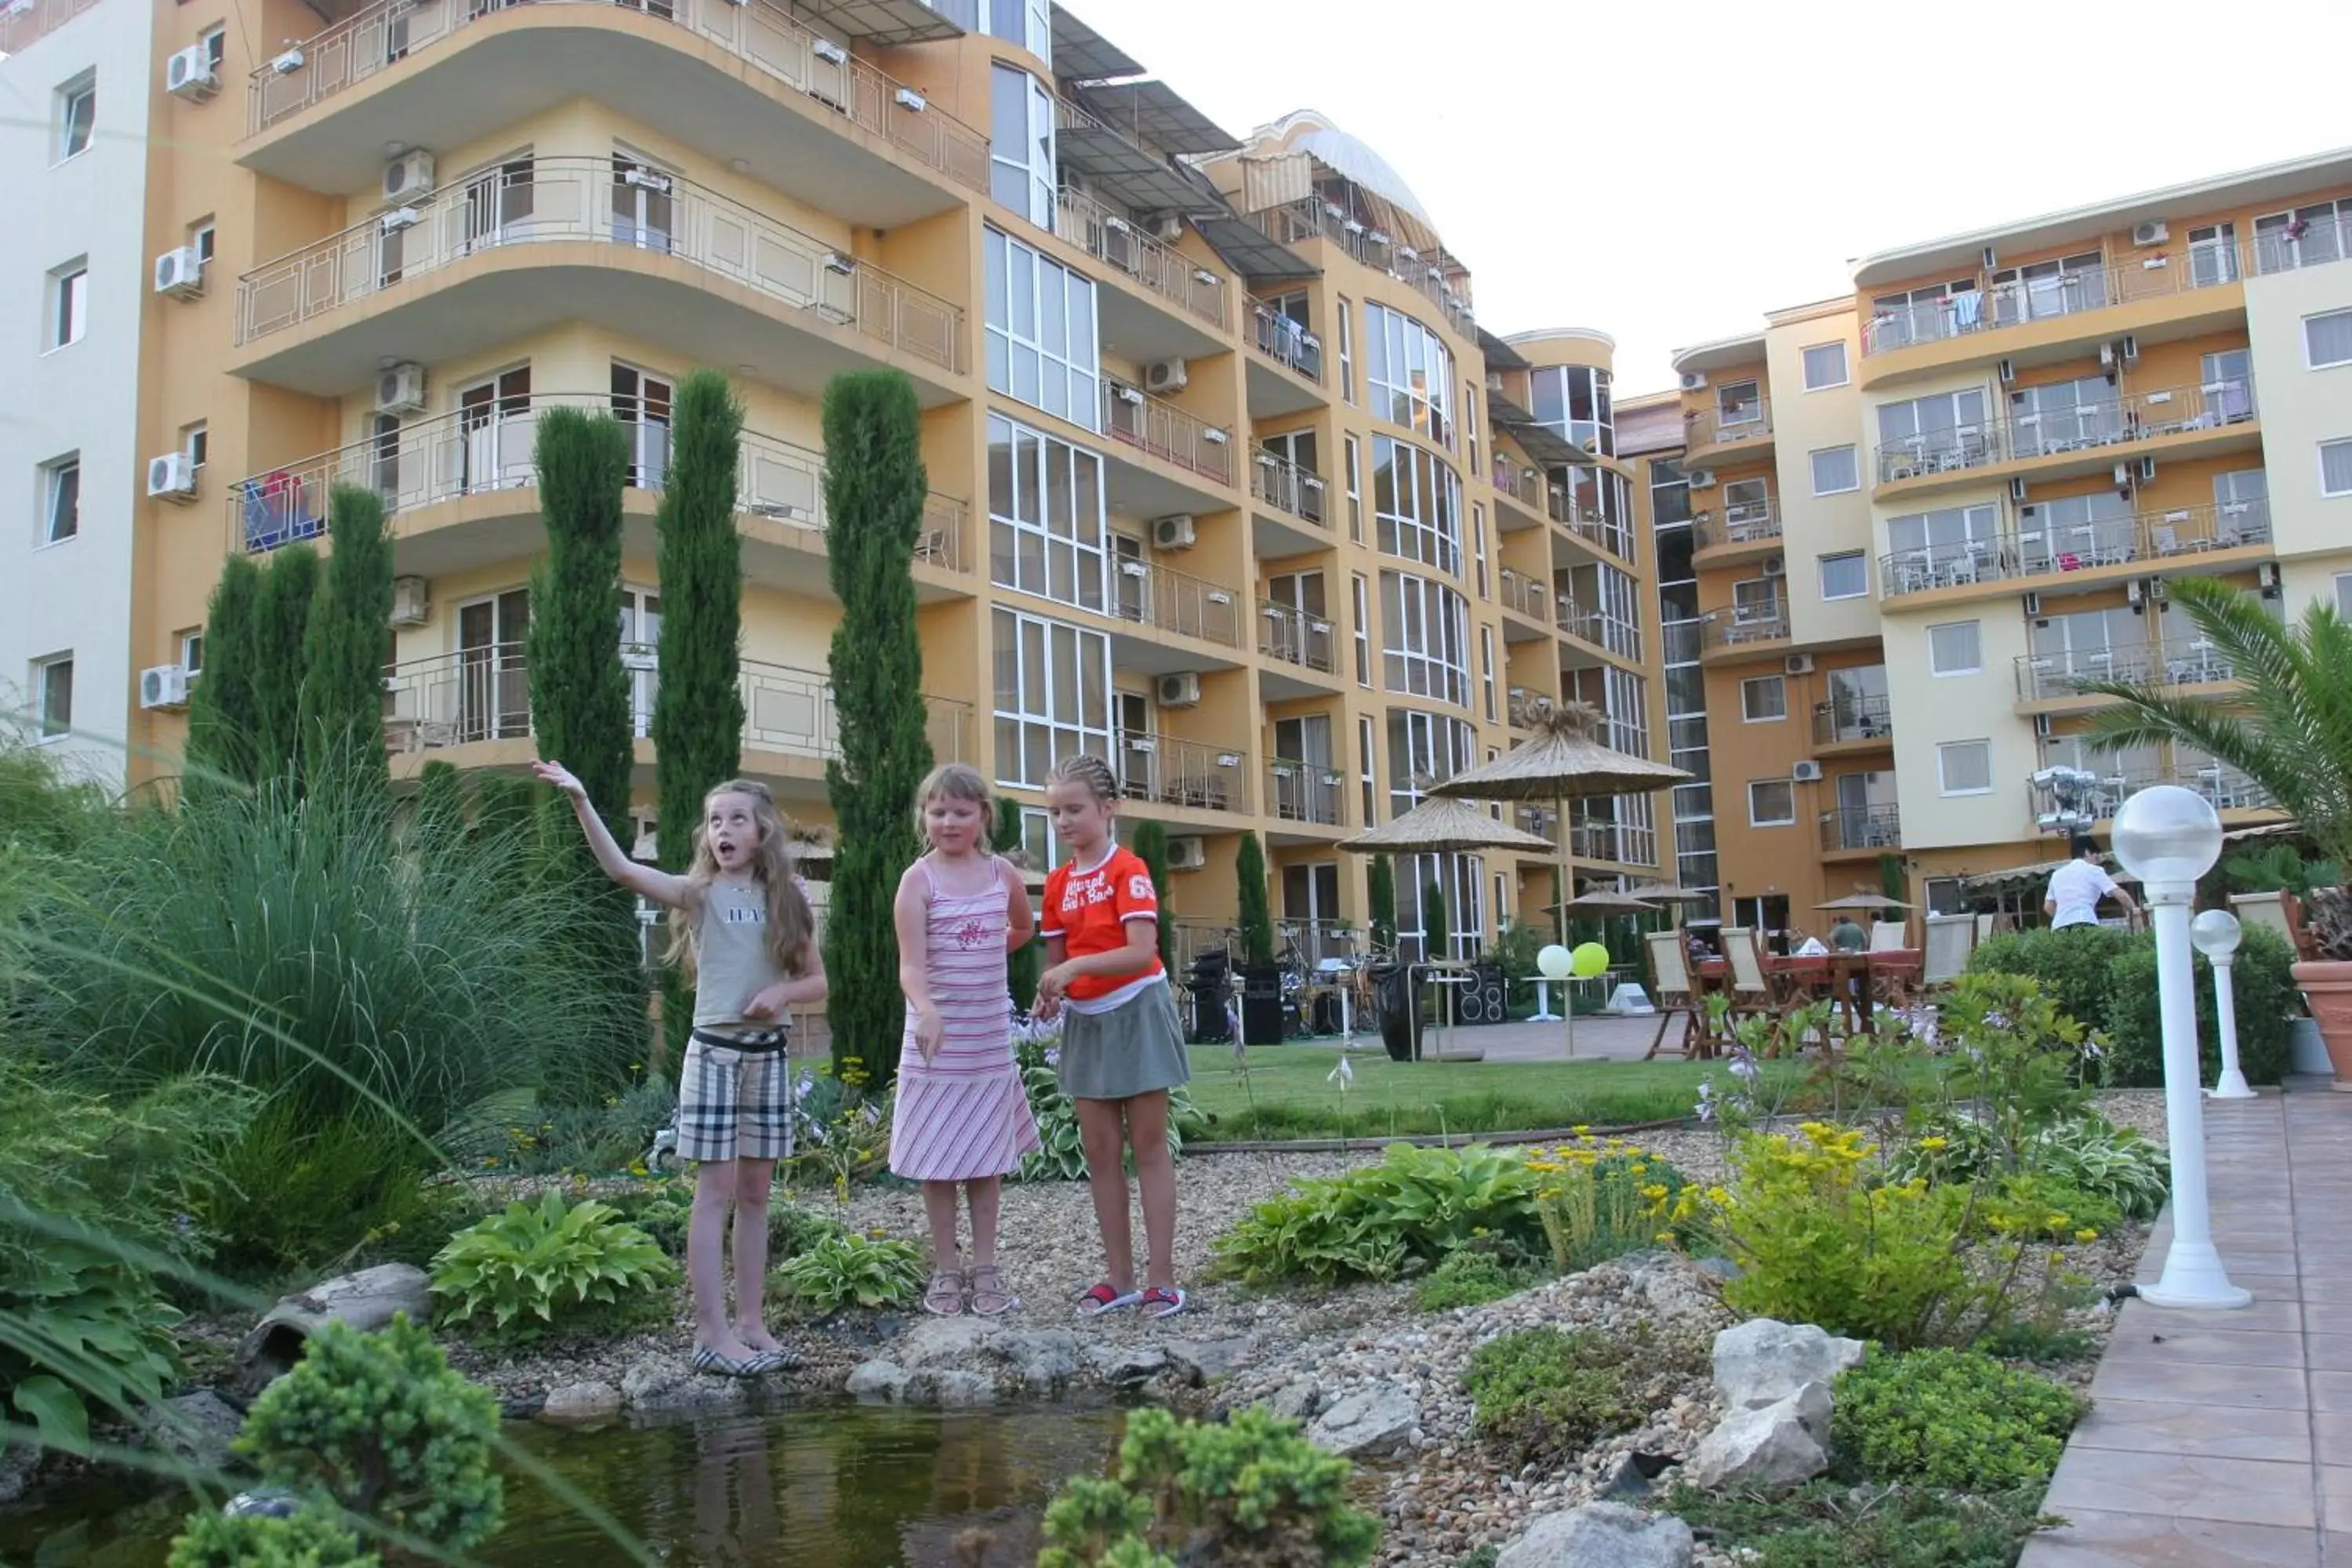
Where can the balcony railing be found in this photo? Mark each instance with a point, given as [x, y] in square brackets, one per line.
[1843, 719]
[1720, 427]
[1286, 633]
[1599, 627]
[2054, 549]
[2313, 244]
[1151, 595]
[473, 451]
[23, 21]
[1749, 522]
[1286, 343]
[575, 199]
[1304, 792]
[1861, 827]
[1135, 417]
[1528, 487]
[2180, 662]
[2139, 417]
[1105, 236]
[1527, 596]
[1288, 488]
[1730, 628]
[1295, 223]
[2225, 788]
[1170, 772]
[484, 694]
[2015, 302]
[758, 33]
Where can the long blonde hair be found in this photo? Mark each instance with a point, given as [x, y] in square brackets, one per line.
[957, 781]
[791, 924]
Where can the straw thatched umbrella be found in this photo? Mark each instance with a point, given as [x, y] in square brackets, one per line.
[1603, 902]
[1443, 827]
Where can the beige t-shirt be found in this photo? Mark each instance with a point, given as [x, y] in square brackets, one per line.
[731, 961]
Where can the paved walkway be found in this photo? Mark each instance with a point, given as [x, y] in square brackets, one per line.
[2226, 1437]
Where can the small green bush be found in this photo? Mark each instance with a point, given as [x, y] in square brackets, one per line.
[849, 1269]
[1547, 1393]
[1394, 1220]
[551, 1265]
[379, 1425]
[2116, 1167]
[300, 1193]
[1058, 1156]
[1470, 1277]
[306, 1539]
[664, 1209]
[2073, 965]
[2263, 978]
[1249, 1491]
[1597, 1199]
[1954, 1419]
[1825, 1524]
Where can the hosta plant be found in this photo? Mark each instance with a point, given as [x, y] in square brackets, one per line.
[551, 1265]
[847, 1269]
[1059, 1155]
[1399, 1217]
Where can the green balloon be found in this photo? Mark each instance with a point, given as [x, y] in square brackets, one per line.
[1589, 959]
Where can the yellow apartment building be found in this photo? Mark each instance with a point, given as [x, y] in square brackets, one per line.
[1229, 484]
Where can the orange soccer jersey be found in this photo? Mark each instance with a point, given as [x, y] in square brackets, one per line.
[1089, 910]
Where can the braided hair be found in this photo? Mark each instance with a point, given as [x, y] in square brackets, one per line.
[1085, 768]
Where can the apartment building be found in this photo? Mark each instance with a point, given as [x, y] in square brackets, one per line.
[1926, 512]
[1229, 484]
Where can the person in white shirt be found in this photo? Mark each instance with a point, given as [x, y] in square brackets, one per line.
[2076, 888]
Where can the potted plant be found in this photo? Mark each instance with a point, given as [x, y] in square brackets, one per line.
[2289, 729]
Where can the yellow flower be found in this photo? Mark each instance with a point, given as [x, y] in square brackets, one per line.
[1717, 1195]
[1637, 1168]
[1655, 1190]
[1935, 1142]
[2087, 1235]
[1582, 1132]
[637, 1168]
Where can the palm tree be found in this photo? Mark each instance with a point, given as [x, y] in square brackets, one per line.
[2289, 728]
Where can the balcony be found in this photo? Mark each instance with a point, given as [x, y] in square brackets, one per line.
[2226, 789]
[2018, 304]
[1718, 435]
[1135, 419]
[1304, 792]
[1311, 218]
[1598, 628]
[2299, 244]
[1286, 634]
[2085, 555]
[2044, 678]
[1289, 493]
[1732, 635]
[1529, 598]
[1164, 771]
[1859, 723]
[550, 240]
[2182, 420]
[1748, 529]
[744, 80]
[1851, 829]
[1158, 268]
[1530, 493]
[480, 696]
[1286, 372]
[24, 21]
[461, 490]
[1149, 593]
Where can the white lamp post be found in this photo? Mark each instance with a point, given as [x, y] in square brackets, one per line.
[2215, 932]
[2169, 836]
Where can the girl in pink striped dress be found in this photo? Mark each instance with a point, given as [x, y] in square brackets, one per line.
[960, 1113]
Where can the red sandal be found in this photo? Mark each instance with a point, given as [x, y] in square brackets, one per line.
[1105, 1298]
[1164, 1301]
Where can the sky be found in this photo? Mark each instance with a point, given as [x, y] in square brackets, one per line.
[1669, 173]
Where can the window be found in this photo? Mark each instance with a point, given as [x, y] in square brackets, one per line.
[1845, 575]
[1363, 631]
[1824, 366]
[1347, 350]
[1411, 375]
[1959, 540]
[1836, 471]
[53, 691]
[1424, 638]
[1964, 767]
[1771, 803]
[1478, 543]
[1486, 669]
[1944, 430]
[1041, 332]
[197, 442]
[1046, 515]
[61, 500]
[2327, 340]
[2336, 467]
[1573, 401]
[1053, 695]
[1763, 699]
[1470, 423]
[1021, 145]
[2306, 237]
[1355, 492]
[1954, 649]
[77, 117]
[1416, 505]
[1366, 776]
[214, 43]
[69, 304]
[200, 239]
[1024, 22]
[191, 650]
[1739, 403]
[2343, 594]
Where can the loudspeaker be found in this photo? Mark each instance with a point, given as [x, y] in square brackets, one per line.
[1262, 1005]
[1486, 1000]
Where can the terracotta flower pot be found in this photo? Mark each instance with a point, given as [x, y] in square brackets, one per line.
[2328, 991]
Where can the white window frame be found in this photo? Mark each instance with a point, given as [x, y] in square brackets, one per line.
[1755, 686]
[2341, 444]
[1845, 365]
[54, 475]
[2343, 594]
[1813, 465]
[68, 306]
[1038, 141]
[1479, 545]
[1072, 364]
[1434, 540]
[1487, 669]
[1944, 751]
[1347, 353]
[1976, 669]
[43, 735]
[191, 644]
[1754, 820]
[213, 41]
[1058, 640]
[1860, 559]
[1399, 349]
[196, 441]
[1024, 23]
[1353, 449]
[1363, 592]
[1368, 777]
[1087, 547]
[2309, 362]
[1424, 638]
[82, 87]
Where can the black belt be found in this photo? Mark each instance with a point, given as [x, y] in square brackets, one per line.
[755, 1043]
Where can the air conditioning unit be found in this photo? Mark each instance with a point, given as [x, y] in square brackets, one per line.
[1806, 771]
[287, 63]
[2122, 477]
[2153, 232]
[398, 218]
[2008, 370]
[650, 179]
[2042, 727]
[408, 175]
[840, 262]
[2147, 470]
[2131, 348]
[1167, 228]
[164, 685]
[400, 389]
[189, 74]
[909, 98]
[1186, 854]
[181, 273]
[1798, 664]
[2133, 593]
[2033, 604]
[411, 599]
[827, 51]
[1693, 381]
[2156, 590]
[1775, 565]
[1181, 689]
[1174, 532]
[1991, 259]
[2017, 489]
[1701, 478]
[172, 476]
[1165, 376]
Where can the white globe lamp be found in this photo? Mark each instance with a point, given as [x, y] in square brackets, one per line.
[2215, 935]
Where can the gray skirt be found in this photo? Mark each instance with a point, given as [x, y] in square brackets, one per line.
[1137, 1047]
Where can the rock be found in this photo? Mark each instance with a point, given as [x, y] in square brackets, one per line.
[366, 1300]
[948, 1389]
[1600, 1535]
[199, 1427]
[1045, 1358]
[1629, 1476]
[1127, 1365]
[878, 1380]
[1297, 1400]
[944, 1341]
[18, 1461]
[1374, 1420]
[1762, 1362]
[1200, 1361]
[1764, 1450]
[657, 1383]
[581, 1401]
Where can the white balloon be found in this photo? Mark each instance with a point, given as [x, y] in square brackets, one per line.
[1556, 962]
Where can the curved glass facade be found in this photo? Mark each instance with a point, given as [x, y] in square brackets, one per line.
[1410, 371]
[1424, 638]
[1416, 506]
[1573, 399]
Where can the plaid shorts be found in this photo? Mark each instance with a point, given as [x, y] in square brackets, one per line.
[735, 1104]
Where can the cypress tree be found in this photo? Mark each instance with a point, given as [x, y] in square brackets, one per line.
[1021, 968]
[1151, 848]
[874, 489]
[579, 690]
[503, 804]
[349, 642]
[1381, 893]
[224, 715]
[1256, 919]
[698, 724]
[281, 621]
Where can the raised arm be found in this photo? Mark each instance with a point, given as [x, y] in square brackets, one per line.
[648, 881]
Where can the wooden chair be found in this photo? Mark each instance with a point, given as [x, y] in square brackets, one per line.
[1670, 989]
[1751, 992]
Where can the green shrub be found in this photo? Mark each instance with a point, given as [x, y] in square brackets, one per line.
[1597, 1199]
[2263, 978]
[1470, 1277]
[1546, 1392]
[2072, 965]
[1827, 1525]
[551, 1265]
[1059, 1155]
[1954, 1419]
[849, 1270]
[299, 1194]
[663, 1209]
[307, 1539]
[379, 1425]
[2117, 1168]
[1397, 1218]
[1252, 1491]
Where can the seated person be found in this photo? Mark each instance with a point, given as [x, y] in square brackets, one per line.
[1847, 937]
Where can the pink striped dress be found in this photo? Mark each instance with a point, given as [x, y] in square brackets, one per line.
[963, 1114]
